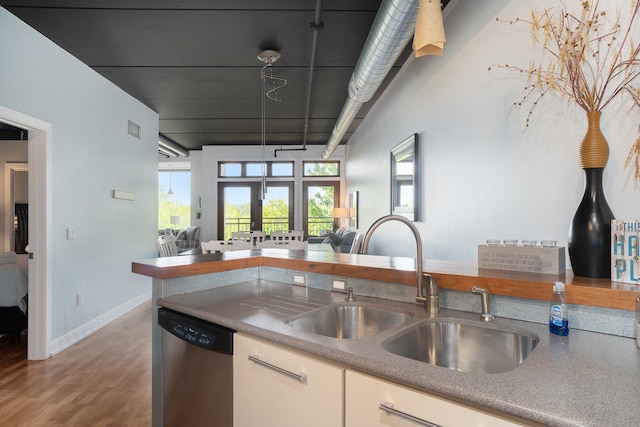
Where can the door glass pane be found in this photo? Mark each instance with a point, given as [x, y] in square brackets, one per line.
[237, 210]
[320, 206]
[275, 210]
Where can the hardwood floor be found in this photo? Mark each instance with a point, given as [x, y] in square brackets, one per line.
[104, 380]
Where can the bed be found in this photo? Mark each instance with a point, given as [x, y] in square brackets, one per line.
[14, 280]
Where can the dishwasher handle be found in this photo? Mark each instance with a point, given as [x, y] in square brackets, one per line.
[300, 377]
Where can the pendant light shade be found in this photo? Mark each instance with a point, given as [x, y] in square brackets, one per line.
[170, 192]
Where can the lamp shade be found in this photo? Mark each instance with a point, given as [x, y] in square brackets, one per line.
[174, 219]
[429, 36]
[340, 212]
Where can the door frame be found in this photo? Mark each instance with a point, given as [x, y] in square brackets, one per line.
[305, 201]
[256, 204]
[39, 160]
[255, 208]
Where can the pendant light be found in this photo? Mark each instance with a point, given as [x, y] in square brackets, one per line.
[268, 57]
[170, 192]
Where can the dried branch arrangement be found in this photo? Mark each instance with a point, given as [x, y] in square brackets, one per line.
[590, 59]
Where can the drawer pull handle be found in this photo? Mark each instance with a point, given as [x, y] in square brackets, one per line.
[388, 408]
[300, 377]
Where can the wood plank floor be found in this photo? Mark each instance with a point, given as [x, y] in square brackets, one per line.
[104, 380]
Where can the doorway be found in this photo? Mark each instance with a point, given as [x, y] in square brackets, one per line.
[240, 208]
[39, 311]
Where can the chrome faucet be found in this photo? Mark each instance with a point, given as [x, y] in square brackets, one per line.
[432, 299]
[485, 298]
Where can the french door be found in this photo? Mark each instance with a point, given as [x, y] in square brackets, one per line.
[240, 208]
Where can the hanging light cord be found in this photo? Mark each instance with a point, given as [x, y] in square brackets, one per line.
[276, 83]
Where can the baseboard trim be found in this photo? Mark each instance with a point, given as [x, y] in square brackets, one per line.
[78, 334]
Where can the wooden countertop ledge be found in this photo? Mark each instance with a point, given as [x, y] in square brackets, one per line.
[453, 275]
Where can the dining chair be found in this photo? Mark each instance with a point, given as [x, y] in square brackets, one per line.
[224, 245]
[166, 246]
[284, 244]
[256, 237]
[288, 235]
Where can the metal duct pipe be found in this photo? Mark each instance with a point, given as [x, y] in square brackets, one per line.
[168, 145]
[167, 153]
[391, 31]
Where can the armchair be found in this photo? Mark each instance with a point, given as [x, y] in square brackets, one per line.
[188, 239]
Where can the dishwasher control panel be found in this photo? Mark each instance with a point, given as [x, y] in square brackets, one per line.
[191, 334]
[196, 331]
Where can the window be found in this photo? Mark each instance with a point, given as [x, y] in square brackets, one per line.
[281, 169]
[240, 209]
[321, 168]
[254, 169]
[319, 200]
[230, 169]
[179, 202]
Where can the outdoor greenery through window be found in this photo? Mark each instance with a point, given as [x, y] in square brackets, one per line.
[321, 168]
[321, 199]
[240, 209]
[176, 204]
[243, 211]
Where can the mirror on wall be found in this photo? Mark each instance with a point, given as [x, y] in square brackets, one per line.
[404, 178]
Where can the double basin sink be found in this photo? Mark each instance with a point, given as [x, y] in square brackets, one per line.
[456, 344]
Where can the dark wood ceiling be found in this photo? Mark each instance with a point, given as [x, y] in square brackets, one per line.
[195, 62]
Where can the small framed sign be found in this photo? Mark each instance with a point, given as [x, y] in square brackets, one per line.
[625, 251]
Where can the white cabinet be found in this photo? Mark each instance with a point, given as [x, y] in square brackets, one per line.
[366, 396]
[279, 387]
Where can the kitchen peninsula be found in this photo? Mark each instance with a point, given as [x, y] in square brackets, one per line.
[585, 379]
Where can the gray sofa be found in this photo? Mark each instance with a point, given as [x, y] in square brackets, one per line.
[188, 239]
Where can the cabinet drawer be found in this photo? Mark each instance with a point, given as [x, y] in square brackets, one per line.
[372, 402]
[278, 387]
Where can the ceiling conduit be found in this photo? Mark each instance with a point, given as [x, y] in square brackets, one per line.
[391, 31]
[316, 26]
[171, 148]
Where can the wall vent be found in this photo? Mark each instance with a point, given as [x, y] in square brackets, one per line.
[134, 129]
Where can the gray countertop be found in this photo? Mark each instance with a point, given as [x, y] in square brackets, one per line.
[585, 379]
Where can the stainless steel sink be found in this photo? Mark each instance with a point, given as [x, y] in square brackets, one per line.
[465, 347]
[348, 321]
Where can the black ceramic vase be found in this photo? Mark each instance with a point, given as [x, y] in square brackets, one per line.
[590, 230]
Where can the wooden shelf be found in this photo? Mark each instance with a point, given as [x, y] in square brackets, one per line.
[449, 274]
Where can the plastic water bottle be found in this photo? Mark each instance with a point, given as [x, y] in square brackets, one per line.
[558, 312]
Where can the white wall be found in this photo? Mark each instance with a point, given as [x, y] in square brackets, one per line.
[91, 154]
[482, 175]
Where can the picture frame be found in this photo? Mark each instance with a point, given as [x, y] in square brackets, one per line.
[352, 209]
[405, 183]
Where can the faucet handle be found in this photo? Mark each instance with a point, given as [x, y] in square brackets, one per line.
[349, 294]
[485, 298]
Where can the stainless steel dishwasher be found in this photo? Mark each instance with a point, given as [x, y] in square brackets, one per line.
[197, 370]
